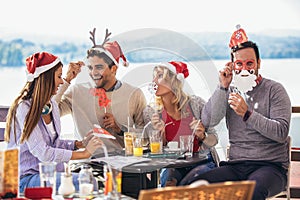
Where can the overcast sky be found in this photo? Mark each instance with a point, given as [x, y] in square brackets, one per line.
[75, 18]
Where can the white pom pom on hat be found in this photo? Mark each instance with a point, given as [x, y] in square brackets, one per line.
[39, 63]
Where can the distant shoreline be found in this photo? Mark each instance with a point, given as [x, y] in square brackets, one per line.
[149, 48]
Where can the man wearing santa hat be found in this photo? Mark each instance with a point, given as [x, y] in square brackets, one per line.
[257, 113]
[104, 101]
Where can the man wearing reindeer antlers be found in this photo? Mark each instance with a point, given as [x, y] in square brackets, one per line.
[257, 112]
[104, 101]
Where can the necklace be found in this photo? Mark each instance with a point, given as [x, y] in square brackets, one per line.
[47, 109]
[170, 119]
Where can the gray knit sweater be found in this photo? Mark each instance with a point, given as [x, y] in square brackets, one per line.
[263, 136]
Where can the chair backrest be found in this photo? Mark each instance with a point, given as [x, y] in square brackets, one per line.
[287, 191]
[3, 114]
[238, 190]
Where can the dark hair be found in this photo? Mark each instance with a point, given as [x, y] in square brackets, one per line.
[248, 44]
[106, 58]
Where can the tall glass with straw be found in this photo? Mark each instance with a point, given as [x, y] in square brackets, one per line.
[128, 140]
[113, 178]
[156, 106]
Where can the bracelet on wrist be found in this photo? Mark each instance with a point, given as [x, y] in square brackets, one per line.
[222, 88]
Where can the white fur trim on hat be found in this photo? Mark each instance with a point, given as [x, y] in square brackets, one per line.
[172, 68]
[108, 54]
[41, 69]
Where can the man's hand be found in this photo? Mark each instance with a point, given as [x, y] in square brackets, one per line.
[225, 75]
[238, 104]
[73, 70]
[109, 122]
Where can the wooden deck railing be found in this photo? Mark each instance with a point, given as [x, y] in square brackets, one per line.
[295, 157]
[295, 191]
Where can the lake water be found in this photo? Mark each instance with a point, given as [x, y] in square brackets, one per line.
[202, 81]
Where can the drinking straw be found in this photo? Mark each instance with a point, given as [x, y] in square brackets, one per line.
[145, 128]
[110, 169]
[128, 124]
[194, 130]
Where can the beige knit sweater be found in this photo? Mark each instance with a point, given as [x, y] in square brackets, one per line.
[126, 101]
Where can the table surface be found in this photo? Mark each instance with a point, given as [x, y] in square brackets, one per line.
[150, 162]
[163, 161]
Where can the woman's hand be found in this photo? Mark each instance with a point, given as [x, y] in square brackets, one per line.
[199, 129]
[94, 144]
[87, 138]
[157, 123]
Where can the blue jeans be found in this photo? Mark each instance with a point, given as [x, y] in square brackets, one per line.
[183, 175]
[270, 178]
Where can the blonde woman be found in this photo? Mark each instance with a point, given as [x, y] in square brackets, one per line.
[179, 115]
[33, 123]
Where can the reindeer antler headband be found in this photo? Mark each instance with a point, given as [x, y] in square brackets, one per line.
[111, 49]
[106, 39]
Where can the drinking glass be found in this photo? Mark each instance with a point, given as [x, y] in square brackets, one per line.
[128, 141]
[155, 142]
[138, 145]
[48, 175]
[186, 145]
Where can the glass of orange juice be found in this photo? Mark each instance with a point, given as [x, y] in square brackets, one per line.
[138, 146]
[155, 142]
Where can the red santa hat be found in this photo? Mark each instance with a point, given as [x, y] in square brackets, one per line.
[38, 63]
[239, 36]
[111, 49]
[178, 68]
[114, 52]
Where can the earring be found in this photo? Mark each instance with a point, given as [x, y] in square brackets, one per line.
[47, 109]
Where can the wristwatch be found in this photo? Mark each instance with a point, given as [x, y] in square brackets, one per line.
[247, 115]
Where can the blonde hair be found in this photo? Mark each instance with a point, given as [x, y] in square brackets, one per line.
[181, 98]
[39, 91]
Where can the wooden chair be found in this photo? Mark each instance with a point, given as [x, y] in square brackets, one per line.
[286, 192]
[239, 190]
[3, 114]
